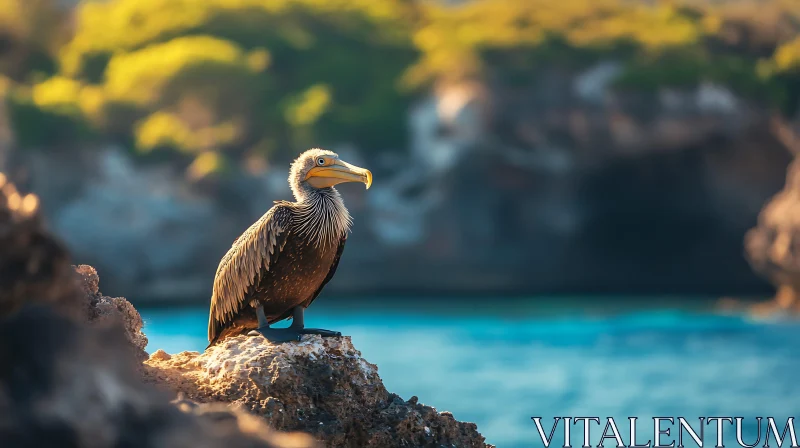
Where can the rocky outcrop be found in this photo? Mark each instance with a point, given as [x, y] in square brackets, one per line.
[71, 372]
[321, 386]
[111, 311]
[70, 385]
[773, 246]
[67, 374]
[34, 267]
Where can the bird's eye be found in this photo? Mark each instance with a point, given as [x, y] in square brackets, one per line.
[320, 162]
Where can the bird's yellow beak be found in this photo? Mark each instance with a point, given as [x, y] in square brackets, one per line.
[337, 173]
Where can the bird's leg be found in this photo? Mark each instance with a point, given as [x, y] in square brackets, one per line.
[298, 324]
[273, 334]
[262, 318]
[298, 318]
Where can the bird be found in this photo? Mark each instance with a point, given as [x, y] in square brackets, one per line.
[280, 264]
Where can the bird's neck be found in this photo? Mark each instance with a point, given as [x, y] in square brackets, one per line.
[322, 216]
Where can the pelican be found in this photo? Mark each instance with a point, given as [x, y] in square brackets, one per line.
[279, 265]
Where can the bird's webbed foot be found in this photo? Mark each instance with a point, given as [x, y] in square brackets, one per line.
[321, 332]
[298, 324]
[293, 333]
[277, 334]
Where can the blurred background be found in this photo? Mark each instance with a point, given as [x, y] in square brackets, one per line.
[563, 188]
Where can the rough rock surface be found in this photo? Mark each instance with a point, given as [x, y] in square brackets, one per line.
[33, 265]
[109, 311]
[66, 382]
[321, 386]
[773, 246]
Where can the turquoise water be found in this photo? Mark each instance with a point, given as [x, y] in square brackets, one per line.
[499, 362]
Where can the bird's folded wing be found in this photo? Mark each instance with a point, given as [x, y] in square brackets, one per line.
[250, 257]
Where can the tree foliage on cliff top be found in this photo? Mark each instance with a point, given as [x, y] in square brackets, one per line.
[233, 76]
[236, 77]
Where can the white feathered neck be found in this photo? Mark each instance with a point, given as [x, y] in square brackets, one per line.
[322, 217]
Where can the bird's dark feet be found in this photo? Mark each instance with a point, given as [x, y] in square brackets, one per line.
[321, 332]
[277, 334]
[290, 334]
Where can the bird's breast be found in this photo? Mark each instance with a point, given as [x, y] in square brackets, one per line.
[299, 271]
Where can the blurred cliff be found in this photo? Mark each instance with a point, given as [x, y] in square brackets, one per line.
[772, 245]
[518, 146]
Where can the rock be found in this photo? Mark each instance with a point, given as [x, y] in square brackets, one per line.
[90, 281]
[594, 84]
[773, 246]
[67, 377]
[34, 266]
[321, 386]
[184, 404]
[64, 384]
[108, 311]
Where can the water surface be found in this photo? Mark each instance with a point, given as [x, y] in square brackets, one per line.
[499, 362]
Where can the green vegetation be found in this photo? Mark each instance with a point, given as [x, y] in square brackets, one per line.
[220, 80]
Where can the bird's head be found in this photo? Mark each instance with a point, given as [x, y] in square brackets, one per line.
[318, 169]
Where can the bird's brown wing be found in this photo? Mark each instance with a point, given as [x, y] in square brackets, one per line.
[250, 258]
[331, 272]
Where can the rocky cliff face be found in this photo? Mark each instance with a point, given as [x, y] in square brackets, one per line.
[568, 184]
[320, 386]
[561, 184]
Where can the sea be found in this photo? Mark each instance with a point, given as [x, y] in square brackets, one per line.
[499, 361]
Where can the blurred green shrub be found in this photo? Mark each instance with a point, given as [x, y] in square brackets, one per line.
[47, 114]
[236, 76]
[222, 80]
[454, 38]
[667, 43]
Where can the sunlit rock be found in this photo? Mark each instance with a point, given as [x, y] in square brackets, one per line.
[773, 246]
[321, 386]
[104, 310]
